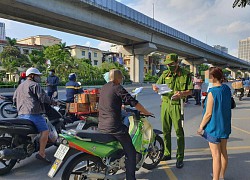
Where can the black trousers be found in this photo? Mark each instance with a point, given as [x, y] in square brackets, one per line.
[197, 94]
[130, 153]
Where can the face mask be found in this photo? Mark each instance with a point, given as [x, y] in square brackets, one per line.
[37, 79]
[50, 73]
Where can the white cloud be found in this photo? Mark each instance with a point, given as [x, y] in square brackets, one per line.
[88, 44]
[104, 46]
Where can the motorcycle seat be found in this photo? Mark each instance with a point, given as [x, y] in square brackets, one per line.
[96, 136]
[17, 121]
[17, 126]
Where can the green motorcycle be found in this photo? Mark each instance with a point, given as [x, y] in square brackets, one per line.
[100, 156]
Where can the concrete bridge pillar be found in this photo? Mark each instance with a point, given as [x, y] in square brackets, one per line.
[137, 68]
[233, 72]
[137, 59]
[193, 65]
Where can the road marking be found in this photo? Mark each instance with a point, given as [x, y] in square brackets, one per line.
[241, 130]
[168, 171]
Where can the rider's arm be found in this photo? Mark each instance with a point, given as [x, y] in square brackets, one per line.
[129, 100]
[41, 94]
[140, 108]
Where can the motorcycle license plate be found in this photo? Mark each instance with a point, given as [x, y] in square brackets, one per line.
[54, 168]
[238, 93]
[80, 126]
[61, 152]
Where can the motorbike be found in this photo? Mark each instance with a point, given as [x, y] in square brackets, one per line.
[91, 121]
[100, 155]
[239, 93]
[7, 108]
[19, 138]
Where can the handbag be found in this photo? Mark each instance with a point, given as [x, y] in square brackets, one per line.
[233, 104]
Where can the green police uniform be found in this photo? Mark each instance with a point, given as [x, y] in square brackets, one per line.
[171, 109]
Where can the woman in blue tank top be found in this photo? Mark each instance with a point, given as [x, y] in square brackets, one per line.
[216, 122]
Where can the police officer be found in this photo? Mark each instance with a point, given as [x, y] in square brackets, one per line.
[72, 88]
[180, 82]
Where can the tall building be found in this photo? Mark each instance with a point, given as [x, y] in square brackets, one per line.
[2, 31]
[221, 48]
[244, 49]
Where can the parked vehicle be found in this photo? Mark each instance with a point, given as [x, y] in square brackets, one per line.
[100, 155]
[7, 108]
[19, 138]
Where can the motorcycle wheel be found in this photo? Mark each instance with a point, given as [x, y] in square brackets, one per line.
[4, 113]
[155, 154]
[6, 165]
[80, 165]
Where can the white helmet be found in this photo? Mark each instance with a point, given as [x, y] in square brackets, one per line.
[33, 71]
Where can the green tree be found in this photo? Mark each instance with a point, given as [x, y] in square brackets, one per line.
[37, 60]
[60, 59]
[241, 3]
[11, 41]
[11, 58]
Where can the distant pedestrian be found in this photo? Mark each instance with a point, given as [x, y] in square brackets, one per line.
[52, 83]
[197, 81]
[215, 126]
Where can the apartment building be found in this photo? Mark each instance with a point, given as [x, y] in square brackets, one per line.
[244, 49]
[94, 54]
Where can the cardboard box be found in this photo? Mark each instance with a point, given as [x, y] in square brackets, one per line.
[81, 98]
[92, 98]
[94, 107]
[237, 85]
[79, 107]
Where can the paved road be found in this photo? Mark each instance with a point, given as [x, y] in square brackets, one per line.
[198, 163]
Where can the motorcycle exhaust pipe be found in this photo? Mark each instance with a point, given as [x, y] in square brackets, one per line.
[12, 154]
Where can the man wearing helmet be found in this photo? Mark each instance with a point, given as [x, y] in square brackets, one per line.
[30, 99]
[72, 88]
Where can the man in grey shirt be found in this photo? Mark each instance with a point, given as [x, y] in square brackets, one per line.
[30, 99]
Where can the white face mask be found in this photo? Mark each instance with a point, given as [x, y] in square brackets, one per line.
[37, 79]
[50, 73]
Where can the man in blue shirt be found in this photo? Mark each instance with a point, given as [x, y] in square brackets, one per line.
[52, 83]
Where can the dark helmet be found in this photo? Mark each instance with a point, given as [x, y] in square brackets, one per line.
[72, 76]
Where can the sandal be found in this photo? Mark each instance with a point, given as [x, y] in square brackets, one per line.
[45, 159]
[211, 174]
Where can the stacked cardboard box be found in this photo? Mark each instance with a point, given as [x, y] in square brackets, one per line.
[86, 102]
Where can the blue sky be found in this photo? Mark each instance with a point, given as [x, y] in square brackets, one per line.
[214, 22]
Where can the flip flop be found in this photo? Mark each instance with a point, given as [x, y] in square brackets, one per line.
[45, 159]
